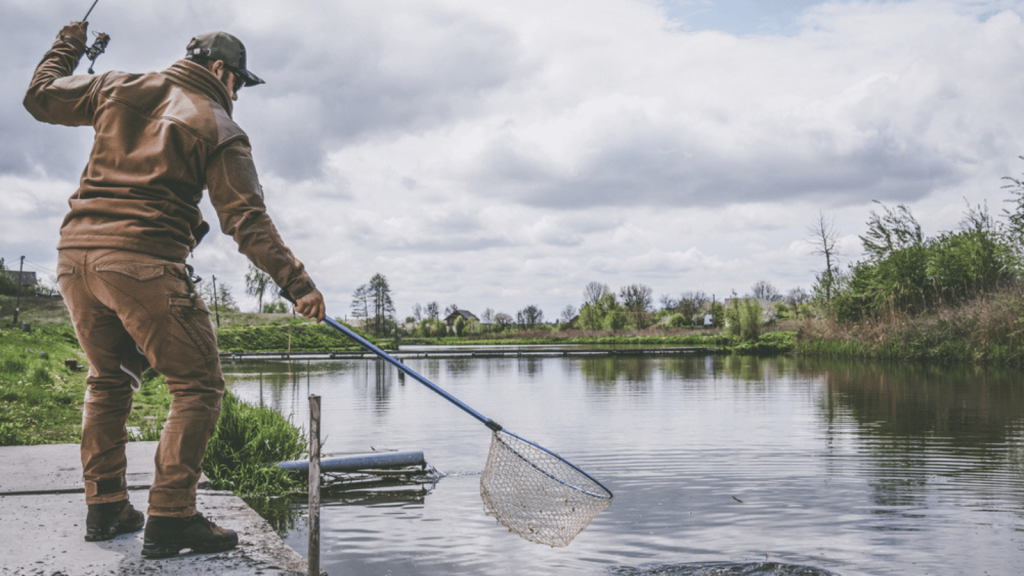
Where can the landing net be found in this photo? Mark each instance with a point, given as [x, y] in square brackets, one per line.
[537, 494]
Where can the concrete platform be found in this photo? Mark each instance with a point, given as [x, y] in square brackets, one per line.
[42, 522]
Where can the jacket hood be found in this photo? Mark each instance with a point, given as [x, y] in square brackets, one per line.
[200, 79]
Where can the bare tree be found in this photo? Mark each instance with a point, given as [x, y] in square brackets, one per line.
[568, 313]
[451, 309]
[417, 312]
[594, 291]
[502, 320]
[361, 302]
[636, 299]
[796, 297]
[690, 303]
[256, 284]
[530, 316]
[824, 238]
[767, 290]
[432, 311]
[668, 303]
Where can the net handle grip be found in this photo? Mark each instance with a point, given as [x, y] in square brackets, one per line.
[402, 367]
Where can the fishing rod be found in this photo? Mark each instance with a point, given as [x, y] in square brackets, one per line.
[99, 46]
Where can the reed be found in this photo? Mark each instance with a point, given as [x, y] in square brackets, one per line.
[986, 329]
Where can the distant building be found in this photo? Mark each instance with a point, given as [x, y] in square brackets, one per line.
[26, 280]
[466, 316]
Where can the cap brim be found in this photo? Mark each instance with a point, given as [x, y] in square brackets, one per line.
[250, 78]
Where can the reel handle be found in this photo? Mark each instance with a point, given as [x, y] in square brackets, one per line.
[99, 46]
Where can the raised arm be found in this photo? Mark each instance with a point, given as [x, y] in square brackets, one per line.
[57, 97]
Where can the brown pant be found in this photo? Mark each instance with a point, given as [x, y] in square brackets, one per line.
[120, 299]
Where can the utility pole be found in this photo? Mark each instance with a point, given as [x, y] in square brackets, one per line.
[17, 302]
[216, 309]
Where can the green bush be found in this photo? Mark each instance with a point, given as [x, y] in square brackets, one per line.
[743, 318]
[678, 321]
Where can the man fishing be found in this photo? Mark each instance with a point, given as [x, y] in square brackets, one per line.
[161, 138]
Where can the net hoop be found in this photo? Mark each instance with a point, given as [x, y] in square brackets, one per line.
[604, 492]
[536, 493]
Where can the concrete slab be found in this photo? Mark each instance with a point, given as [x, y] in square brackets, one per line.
[58, 468]
[43, 524]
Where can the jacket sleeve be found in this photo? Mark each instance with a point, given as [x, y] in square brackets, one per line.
[236, 195]
[57, 97]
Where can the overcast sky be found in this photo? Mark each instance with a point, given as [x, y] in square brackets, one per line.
[505, 153]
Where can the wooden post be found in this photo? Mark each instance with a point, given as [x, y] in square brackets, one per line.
[314, 486]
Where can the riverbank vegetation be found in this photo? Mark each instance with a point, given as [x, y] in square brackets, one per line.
[954, 297]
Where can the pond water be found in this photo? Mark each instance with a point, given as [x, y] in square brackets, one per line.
[719, 464]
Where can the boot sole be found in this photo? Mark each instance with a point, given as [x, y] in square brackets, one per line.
[157, 551]
[115, 530]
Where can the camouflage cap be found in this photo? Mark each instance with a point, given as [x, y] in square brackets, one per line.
[222, 46]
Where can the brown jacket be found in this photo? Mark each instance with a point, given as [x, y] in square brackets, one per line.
[160, 139]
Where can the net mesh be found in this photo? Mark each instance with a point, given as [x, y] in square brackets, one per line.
[537, 494]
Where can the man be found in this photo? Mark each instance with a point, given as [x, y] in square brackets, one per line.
[160, 139]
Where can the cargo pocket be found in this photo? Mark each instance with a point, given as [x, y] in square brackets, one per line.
[141, 271]
[194, 318]
[64, 269]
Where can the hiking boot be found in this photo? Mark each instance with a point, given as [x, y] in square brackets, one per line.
[166, 536]
[105, 521]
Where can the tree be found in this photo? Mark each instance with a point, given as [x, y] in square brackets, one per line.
[502, 320]
[824, 237]
[594, 291]
[224, 299]
[974, 259]
[637, 299]
[451, 309]
[432, 312]
[530, 316]
[488, 316]
[383, 308]
[417, 312]
[767, 290]
[361, 303]
[568, 313]
[257, 282]
[594, 315]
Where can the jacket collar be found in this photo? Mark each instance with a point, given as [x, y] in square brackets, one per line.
[200, 79]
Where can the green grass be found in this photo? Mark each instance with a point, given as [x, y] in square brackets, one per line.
[294, 335]
[40, 398]
[247, 444]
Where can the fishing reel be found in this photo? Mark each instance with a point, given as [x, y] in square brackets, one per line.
[99, 46]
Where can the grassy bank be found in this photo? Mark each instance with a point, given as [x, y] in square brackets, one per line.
[41, 398]
[988, 329]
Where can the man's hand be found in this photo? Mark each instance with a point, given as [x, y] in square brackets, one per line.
[312, 306]
[76, 31]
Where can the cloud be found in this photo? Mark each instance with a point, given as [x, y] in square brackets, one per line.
[506, 153]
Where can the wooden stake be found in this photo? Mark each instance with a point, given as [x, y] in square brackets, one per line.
[314, 486]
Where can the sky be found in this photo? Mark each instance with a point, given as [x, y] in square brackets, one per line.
[505, 153]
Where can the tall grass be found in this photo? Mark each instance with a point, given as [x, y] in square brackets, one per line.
[988, 328]
[247, 444]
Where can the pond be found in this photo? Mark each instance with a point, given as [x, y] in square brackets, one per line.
[719, 464]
